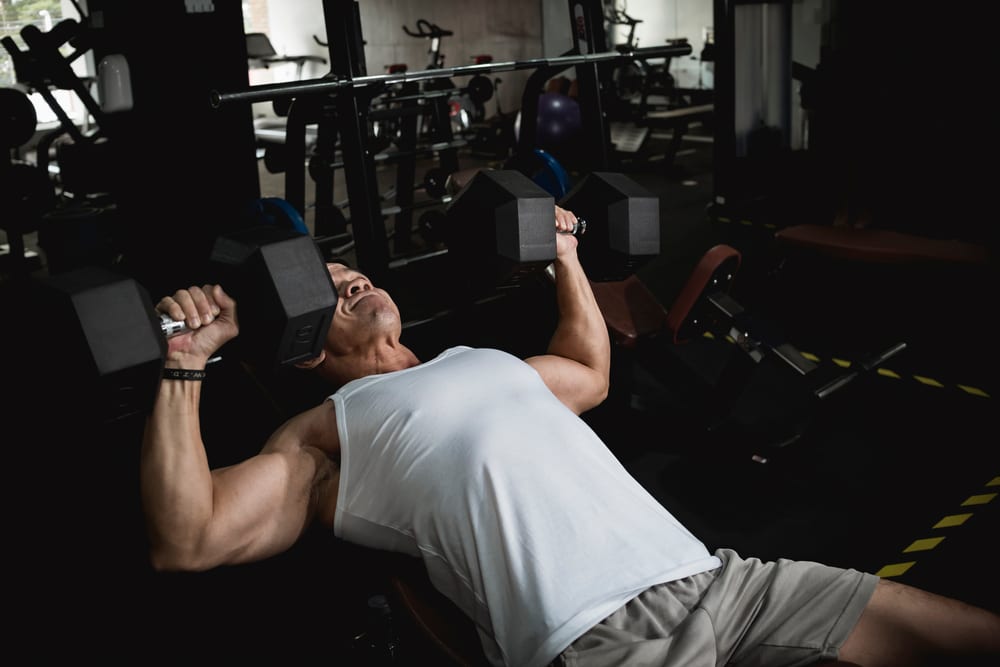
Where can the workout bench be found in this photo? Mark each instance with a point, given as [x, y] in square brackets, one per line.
[757, 382]
[884, 277]
[439, 620]
[632, 312]
[880, 246]
[677, 120]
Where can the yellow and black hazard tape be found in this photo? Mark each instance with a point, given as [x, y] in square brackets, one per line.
[886, 372]
[922, 379]
[945, 523]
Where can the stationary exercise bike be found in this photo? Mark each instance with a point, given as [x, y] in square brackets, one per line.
[635, 80]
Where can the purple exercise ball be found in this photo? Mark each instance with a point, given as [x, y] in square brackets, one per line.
[558, 119]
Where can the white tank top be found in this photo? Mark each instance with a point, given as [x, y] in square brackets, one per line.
[523, 517]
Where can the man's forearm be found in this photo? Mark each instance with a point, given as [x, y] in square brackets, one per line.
[581, 333]
[176, 482]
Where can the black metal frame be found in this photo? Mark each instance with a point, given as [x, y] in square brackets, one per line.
[350, 89]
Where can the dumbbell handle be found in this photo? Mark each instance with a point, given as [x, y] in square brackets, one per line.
[579, 229]
[172, 327]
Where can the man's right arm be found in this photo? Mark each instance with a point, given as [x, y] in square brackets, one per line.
[198, 518]
[576, 365]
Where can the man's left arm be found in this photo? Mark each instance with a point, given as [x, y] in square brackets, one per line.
[577, 364]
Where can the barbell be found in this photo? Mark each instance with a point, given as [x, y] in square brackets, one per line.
[329, 84]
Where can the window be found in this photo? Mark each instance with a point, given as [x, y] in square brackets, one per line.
[43, 14]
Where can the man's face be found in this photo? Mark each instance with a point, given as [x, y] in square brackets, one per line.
[364, 312]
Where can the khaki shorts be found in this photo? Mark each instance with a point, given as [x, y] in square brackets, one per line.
[748, 612]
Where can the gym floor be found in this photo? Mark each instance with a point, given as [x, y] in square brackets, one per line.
[897, 473]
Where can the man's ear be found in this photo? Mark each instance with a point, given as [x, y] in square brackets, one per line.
[310, 364]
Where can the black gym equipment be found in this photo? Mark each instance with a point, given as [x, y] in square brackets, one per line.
[725, 375]
[73, 227]
[98, 329]
[27, 192]
[349, 89]
[281, 277]
[493, 137]
[394, 135]
[628, 76]
[434, 33]
[161, 230]
[333, 84]
[753, 103]
[404, 123]
[103, 333]
[638, 80]
[505, 218]
[498, 228]
[81, 155]
[270, 133]
[623, 224]
[19, 118]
